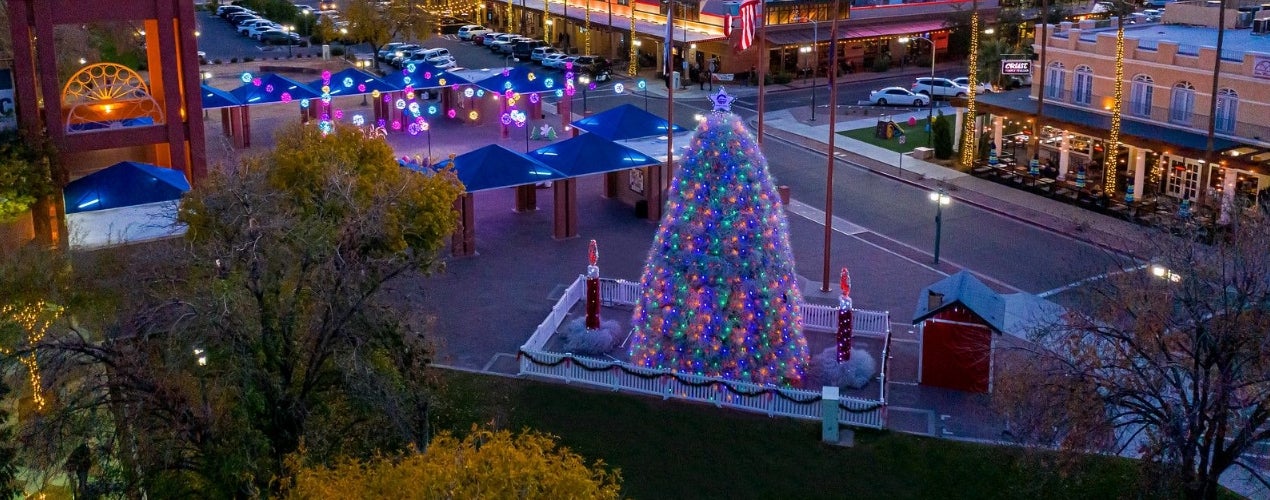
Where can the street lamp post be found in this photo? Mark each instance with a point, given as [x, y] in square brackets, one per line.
[586, 82]
[940, 198]
[930, 117]
[815, 63]
[812, 66]
[288, 30]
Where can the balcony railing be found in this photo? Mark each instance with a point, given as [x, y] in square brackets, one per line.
[1195, 118]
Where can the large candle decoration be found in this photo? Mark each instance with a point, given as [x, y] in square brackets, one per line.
[844, 317]
[593, 289]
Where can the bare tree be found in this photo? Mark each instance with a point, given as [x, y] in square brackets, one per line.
[1168, 361]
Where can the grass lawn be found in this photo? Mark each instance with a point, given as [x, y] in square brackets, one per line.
[916, 137]
[675, 450]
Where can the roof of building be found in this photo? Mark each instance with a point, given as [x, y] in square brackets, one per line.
[962, 288]
[1189, 39]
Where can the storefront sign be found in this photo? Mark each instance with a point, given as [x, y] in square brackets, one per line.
[8, 109]
[1261, 67]
[1016, 67]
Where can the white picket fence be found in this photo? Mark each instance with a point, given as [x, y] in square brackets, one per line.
[621, 376]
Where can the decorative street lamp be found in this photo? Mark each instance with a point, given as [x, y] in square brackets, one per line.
[940, 198]
[586, 82]
[930, 117]
[810, 67]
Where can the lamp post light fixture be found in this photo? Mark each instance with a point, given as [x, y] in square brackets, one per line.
[930, 116]
[288, 30]
[1165, 273]
[939, 198]
[812, 68]
[586, 82]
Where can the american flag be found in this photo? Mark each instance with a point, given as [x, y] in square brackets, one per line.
[749, 19]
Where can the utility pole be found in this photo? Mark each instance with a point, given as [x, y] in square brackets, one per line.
[833, 118]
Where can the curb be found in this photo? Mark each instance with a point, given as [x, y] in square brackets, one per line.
[852, 159]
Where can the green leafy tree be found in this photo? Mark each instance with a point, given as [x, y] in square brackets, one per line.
[485, 464]
[264, 328]
[26, 165]
[942, 132]
[377, 23]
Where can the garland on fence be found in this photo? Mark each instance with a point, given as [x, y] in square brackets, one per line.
[681, 380]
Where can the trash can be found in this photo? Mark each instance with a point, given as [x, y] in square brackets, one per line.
[783, 192]
[674, 81]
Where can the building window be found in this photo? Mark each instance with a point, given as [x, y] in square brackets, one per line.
[1055, 80]
[1140, 96]
[1083, 86]
[1183, 180]
[1227, 110]
[1182, 105]
[804, 11]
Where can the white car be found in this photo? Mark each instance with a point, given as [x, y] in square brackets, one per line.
[541, 53]
[555, 60]
[255, 31]
[447, 63]
[896, 95]
[471, 30]
[982, 88]
[939, 87]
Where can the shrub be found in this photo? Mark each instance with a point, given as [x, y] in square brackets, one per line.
[942, 134]
[881, 63]
[337, 51]
[782, 78]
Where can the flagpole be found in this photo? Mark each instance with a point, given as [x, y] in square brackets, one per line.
[833, 120]
[761, 66]
[670, 90]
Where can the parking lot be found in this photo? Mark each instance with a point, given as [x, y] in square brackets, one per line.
[218, 39]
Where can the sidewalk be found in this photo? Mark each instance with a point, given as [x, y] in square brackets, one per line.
[742, 88]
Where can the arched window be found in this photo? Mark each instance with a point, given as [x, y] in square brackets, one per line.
[1083, 86]
[1227, 110]
[1182, 104]
[1055, 81]
[1140, 95]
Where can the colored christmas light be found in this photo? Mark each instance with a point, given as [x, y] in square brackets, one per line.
[720, 296]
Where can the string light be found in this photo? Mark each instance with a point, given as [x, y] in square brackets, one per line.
[35, 319]
[1113, 138]
[588, 26]
[720, 297]
[968, 142]
[633, 66]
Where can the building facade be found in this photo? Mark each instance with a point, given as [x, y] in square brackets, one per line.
[1169, 101]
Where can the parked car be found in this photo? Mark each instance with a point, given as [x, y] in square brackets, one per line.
[939, 87]
[524, 50]
[470, 30]
[541, 53]
[591, 65]
[279, 37]
[387, 50]
[202, 57]
[238, 17]
[447, 63]
[402, 53]
[982, 88]
[500, 40]
[554, 60]
[255, 31]
[506, 48]
[489, 38]
[896, 95]
[436, 56]
[225, 10]
[247, 28]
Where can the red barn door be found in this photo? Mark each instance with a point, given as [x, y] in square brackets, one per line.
[956, 355]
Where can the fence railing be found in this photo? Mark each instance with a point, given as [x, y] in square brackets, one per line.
[795, 403]
[617, 375]
[816, 317]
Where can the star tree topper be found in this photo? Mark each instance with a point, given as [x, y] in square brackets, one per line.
[722, 101]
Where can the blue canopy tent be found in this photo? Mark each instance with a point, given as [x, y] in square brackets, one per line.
[352, 81]
[216, 98]
[625, 122]
[495, 166]
[273, 88]
[522, 79]
[124, 184]
[590, 154]
[424, 76]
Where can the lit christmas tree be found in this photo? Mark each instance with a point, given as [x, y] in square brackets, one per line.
[720, 297]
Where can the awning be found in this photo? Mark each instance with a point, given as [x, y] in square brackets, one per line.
[495, 166]
[522, 79]
[424, 76]
[270, 88]
[216, 98]
[590, 154]
[624, 122]
[1135, 132]
[808, 34]
[351, 81]
[124, 184]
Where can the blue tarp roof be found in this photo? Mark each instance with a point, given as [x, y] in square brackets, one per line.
[424, 76]
[590, 154]
[216, 98]
[624, 122]
[124, 184]
[272, 89]
[352, 81]
[494, 166]
[523, 79]
[962, 288]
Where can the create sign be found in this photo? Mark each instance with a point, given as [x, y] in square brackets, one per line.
[1016, 67]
